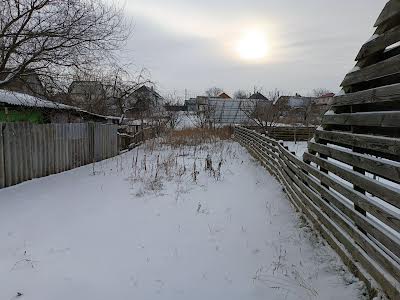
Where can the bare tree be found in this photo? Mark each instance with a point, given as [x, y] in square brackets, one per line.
[264, 114]
[49, 37]
[274, 95]
[214, 92]
[174, 117]
[203, 116]
[320, 92]
[120, 84]
[241, 94]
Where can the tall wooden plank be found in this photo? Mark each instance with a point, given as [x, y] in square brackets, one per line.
[35, 155]
[56, 149]
[19, 151]
[2, 164]
[379, 43]
[391, 10]
[20, 135]
[52, 149]
[41, 140]
[63, 148]
[29, 161]
[381, 69]
[68, 146]
[82, 143]
[87, 142]
[79, 138]
[8, 154]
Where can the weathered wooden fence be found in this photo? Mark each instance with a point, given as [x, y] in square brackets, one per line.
[129, 141]
[30, 151]
[288, 133]
[348, 183]
[366, 242]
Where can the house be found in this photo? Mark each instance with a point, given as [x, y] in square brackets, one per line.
[143, 100]
[325, 99]
[294, 109]
[174, 108]
[88, 95]
[320, 106]
[28, 83]
[258, 96]
[197, 104]
[224, 96]
[18, 107]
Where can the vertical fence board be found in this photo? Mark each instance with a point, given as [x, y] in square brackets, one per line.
[2, 165]
[41, 140]
[28, 151]
[35, 155]
[31, 151]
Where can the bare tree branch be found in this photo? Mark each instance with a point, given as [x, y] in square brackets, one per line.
[45, 36]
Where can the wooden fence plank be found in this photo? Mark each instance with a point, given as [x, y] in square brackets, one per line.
[2, 163]
[392, 8]
[380, 43]
[377, 119]
[381, 212]
[389, 93]
[376, 143]
[385, 169]
[390, 241]
[34, 150]
[9, 153]
[385, 192]
[28, 151]
[381, 69]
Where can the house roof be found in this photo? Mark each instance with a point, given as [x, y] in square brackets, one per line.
[282, 99]
[224, 96]
[24, 100]
[328, 95]
[146, 89]
[258, 96]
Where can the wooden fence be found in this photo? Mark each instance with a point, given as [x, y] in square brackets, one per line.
[365, 242]
[129, 141]
[30, 151]
[289, 133]
[348, 182]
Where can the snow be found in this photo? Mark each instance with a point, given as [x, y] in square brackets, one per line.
[186, 120]
[130, 228]
[14, 98]
[19, 99]
[298, 147]
[330, 113]
[393, 46]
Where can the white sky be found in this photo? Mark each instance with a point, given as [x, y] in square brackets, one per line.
[188, 44]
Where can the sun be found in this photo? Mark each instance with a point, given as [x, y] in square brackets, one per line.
[253, 46]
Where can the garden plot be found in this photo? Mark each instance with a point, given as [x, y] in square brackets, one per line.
[168, 220]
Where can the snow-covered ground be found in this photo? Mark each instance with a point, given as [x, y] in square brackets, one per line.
[298, 147]
[154, 224]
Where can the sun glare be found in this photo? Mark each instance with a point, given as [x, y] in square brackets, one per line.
[252, 46]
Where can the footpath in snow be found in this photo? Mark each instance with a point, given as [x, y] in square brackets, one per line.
[154, 224]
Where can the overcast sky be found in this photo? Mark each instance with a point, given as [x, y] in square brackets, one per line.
[192, 44]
